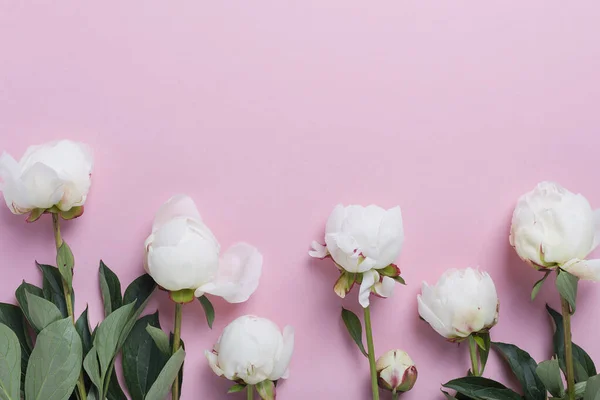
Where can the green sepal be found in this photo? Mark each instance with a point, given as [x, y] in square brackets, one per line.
[344, 283]
[266, 390]
[538, 285]
[391, 270]
[566, 284]
[182, 296]
[238, 387]
[73, 213]
[35, 214]
[399, 279]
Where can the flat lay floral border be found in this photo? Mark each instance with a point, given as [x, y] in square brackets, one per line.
[47, 352]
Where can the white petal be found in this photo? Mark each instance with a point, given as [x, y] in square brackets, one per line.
[597, 229]
[369, 279]
[238, 274]
[213, 361]
[43, 186]
[427, 314]
[385, 288]
[177, 206]
[318, 250]
[588, 270]
[11, 185]
[280, 369]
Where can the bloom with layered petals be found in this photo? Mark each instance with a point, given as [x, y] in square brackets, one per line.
[364, 242]
[54, 176]
[182, 253]
[396, 371]
[253, 350]
[461, 303]
[552, 227]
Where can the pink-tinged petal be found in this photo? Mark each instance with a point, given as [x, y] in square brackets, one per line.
[213, 362]
[238, 274]
[177, 206]
[369, 279]
[588, 270]
[318, 250]
[385, 288]
[280, 369]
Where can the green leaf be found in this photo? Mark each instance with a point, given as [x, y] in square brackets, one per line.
[82, 326]
[524, 367]
[12, 316]
[584, 366]
[480, 342]
[549, 373]
[110, 288]
[21, 295]
[482, 389]
[65, 263]
[10, 364]
[41, 311]
[354, 328]
[592, 390]
[108, 334]
[484, 354]
[142, 360]
[160, 339]
[209, 310]
[139, 290]
[266, 390]
[114, 388]
[567, 287]
[167, 376]
[238, 387]
[55, 363]
[53, 289]
[538, 285]
[92, 368]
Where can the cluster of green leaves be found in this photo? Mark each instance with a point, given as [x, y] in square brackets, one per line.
[65, 350]
[538, 381]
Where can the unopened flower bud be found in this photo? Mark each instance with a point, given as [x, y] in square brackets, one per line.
[396, 371]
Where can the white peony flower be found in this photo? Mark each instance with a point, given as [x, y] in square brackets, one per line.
[396, 371]
[53, 176]
[552, 227]
[364, 242]
[253, 350]
[461, 303]
[182, 253]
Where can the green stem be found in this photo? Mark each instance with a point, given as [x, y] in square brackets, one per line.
[176, 344]
[371, 350]
[566, 313]
[68, 300]
[474, 358]
[249, 392]
[395, 395]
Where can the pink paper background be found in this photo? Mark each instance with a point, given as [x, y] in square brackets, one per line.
[268, 113]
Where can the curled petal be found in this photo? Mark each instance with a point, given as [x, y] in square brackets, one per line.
[318, 250]
[369, 279]
[588, 270]
[280, 369]
[213, 361]
[177, 206]
[385, 288]
[238, 274]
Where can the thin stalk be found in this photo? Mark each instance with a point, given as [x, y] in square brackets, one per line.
[371, 350]
[249, 392]
[395, 395]
[474, 356]
[566, 313]
[176, 345]
[68, 300]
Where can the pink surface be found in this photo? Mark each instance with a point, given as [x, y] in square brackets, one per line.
[269, 113]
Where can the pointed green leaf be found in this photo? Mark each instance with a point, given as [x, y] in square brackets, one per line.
[92, 368]
[549, 373]
[480, 342]
[266, 390]
[482, 389]
[592, 390]
[41, 311]
[55, 363]
[114, 388]
[523, 366]
[65, 263]
[110, 287]
[567, 287]
[160, 339]
[10, 364]
[53, 289]
[209, 310]
[354, 328]
[167, 376]
[538, 285]
[12, 316]
[139, 290]
[108, 334]
[142, 360]
[21, 295]
[82, 326]
[238, 387]
[484, 354]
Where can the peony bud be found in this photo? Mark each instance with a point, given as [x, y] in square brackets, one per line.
[396, 371]
[253, 350]
[552, 227]
[182, 256]
[53, 177]
[364, 243]
[461, 303]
